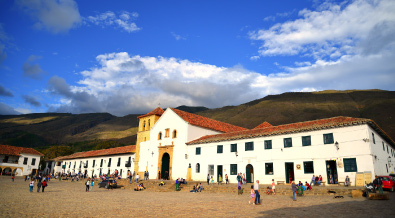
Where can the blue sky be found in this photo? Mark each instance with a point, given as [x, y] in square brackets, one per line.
[127, 57]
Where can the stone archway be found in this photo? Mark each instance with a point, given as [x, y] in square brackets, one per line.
[165, 169]
[167, 152]
[8, 170]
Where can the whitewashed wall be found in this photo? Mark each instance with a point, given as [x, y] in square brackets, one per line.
[351, 145]
[96, 169]
[383, 154]
[27, 168]
[185, 132]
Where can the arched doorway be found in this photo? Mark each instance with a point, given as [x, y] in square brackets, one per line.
[249, 173]
[165, 166]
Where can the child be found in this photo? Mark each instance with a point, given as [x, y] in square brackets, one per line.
[240, 190]
[273, 187]
[252, 195]
[212, 180]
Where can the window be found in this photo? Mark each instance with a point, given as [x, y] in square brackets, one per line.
[308, 167]
[374, 140]
[386, 166]
[160, 136]
[269, 168]
[233, 169]
[174, 134]
[287, 142]
[75, 163]
[220, 149]
[388, 150]
[70, 164]
[198, 150]
[328, 138]
[233, 147]
[94, 161]
[167, 133]
[197, 168]
[350, 164]
[33, 161]
[211, 170]
[101, 163]
[86, 164]
[119, 162]
[268, 144]
[383, 147]
[149, 123]
[249, 146]
[25, 161]
[109, 162]
[144, 126]
[306, 140]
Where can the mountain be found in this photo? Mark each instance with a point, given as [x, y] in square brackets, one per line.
[83, 132]
[377, 105]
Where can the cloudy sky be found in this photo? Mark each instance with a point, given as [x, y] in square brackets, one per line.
[127, 57]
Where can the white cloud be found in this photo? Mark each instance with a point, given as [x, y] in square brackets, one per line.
[54, 15]
[121, 20]
[254, 58]
[332, 31]
[177, 37]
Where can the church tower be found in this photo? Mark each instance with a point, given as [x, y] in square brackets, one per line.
[146, 122]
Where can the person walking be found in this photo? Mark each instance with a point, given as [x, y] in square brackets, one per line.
[31, 185]
[92, 183]
[273, 187]
[44, 185]
[252, 195]
[208, 179]
[39, 184]
[87, 185]
[137, 178]
[257, 194]
[294, 189]
[226, 178]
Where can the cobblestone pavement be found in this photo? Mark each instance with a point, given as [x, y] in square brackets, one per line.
[69, 199]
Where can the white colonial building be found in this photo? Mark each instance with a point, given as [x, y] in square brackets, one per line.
[176, 144]
[185, 145]
[107, 161]
[18, 160]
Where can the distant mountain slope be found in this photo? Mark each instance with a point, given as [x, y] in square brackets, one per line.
[100, 130]
[286, 108]
[40, 130]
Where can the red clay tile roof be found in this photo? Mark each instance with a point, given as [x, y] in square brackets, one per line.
[263, 125]
[288, 128]
[158, 111]
[207, 123]
[16, 151]
[103, 152]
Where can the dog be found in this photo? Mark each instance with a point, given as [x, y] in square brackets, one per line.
[339, 196]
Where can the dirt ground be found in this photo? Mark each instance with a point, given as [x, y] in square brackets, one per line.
[69, 199]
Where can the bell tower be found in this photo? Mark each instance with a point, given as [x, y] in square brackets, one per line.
[146, 122]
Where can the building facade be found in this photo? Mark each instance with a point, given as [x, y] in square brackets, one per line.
[184, 145]
[18, 161]
[175, 144]
[118, 161]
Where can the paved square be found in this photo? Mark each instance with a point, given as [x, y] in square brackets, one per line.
[69, 199]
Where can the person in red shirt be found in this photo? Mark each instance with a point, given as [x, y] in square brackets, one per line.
[44, 185]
